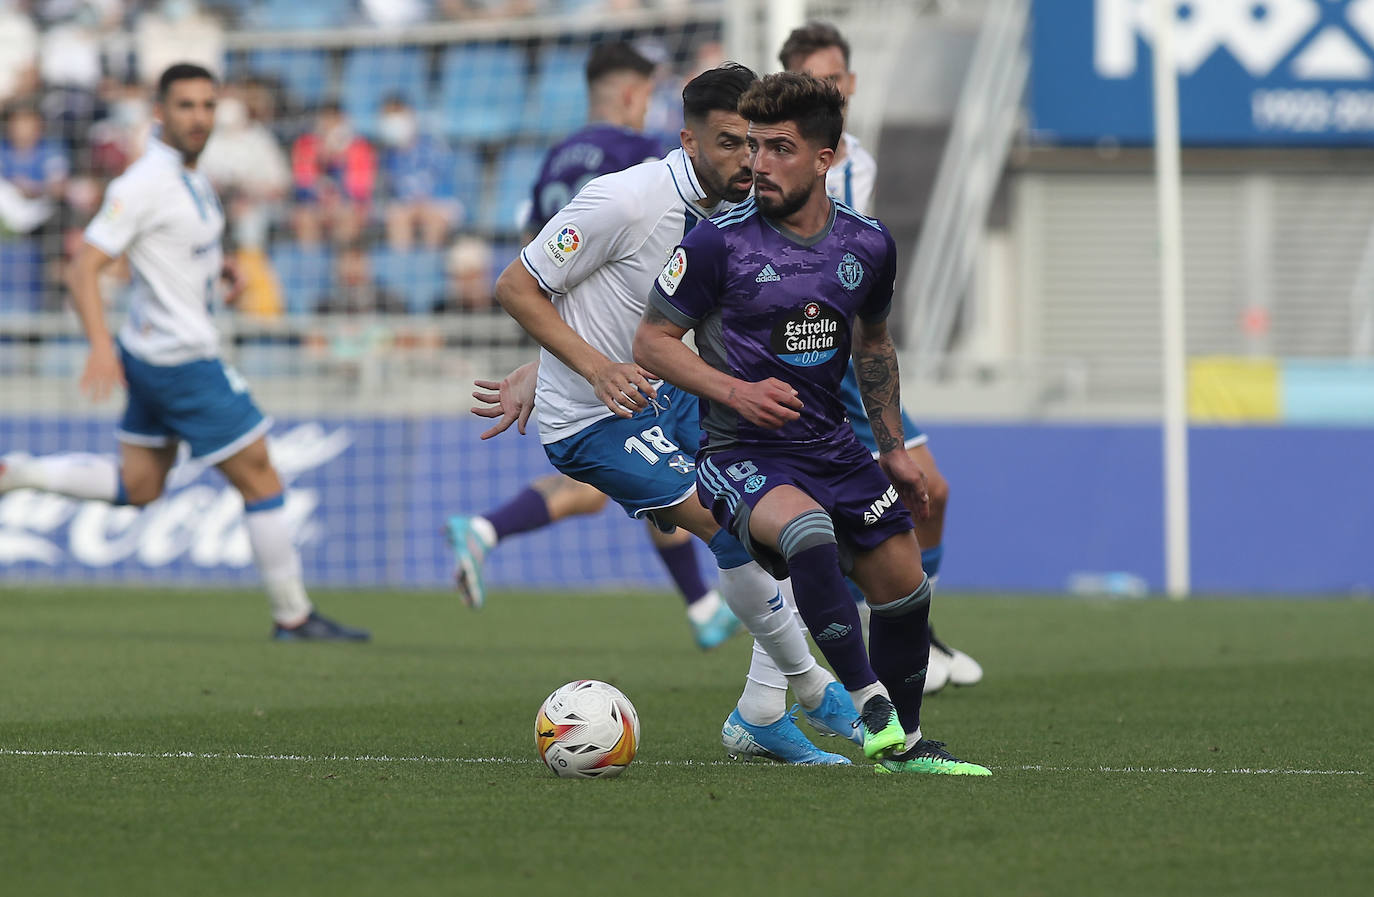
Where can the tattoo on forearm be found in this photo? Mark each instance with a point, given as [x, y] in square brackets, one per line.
[880, 389]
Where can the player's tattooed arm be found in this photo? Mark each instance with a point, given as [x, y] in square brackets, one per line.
[875, 362]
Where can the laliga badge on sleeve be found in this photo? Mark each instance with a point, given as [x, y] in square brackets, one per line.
[672, 273]
[563, 244]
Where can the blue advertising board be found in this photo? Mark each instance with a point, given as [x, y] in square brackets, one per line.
[1033, 508]
[1251, 72]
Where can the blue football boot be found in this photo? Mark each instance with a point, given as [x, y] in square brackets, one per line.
[781, 741]
[718, 628]
[469, 553]
[836, 715]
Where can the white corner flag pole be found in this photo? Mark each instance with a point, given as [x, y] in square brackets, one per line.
[1170, 193]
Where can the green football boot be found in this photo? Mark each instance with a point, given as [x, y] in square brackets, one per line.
[931, 758]
[883, 731]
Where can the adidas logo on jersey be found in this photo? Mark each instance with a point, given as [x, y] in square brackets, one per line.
[767, 275]
[833, 631]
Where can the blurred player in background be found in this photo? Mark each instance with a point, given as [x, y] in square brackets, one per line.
[776, 290]
[579, 289]
[620, 81]
[819, 50]
[165, 216]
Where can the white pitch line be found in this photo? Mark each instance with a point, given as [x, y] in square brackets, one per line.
[382, 758]
[1194, 770]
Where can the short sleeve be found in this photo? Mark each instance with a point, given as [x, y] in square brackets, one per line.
[116, 225]
[879, 301]
[689, 287]
[596, 227]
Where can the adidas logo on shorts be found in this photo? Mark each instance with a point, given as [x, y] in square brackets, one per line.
[833, 631]
[767, 275]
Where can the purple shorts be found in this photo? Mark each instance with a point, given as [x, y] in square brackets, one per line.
[843, 479]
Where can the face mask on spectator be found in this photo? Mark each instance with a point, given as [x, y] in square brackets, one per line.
[397, 128]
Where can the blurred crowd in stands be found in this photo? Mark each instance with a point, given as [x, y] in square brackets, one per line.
[356, 179]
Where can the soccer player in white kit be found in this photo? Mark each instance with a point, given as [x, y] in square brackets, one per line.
[819, 50]
[165, 217]
[579, 288]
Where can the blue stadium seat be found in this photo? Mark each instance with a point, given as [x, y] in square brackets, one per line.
[305, 73]
[305, 274]
[372, 74]
[558, 100]
[468, 181]
[416, 275]
[21, 275]
[503, 252]
[481, 92]
[275, 15]
[516, 171]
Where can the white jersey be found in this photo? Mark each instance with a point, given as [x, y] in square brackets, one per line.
[852, 180]
[169, 221]
[598, 258]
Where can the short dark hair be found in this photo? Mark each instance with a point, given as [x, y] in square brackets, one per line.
[809, 38]
[182, 71]
[816, 107]
[617, 56]
[717, 89]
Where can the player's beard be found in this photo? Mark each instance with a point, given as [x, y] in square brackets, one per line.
[733, 190]
[784, 206]
[190, 143]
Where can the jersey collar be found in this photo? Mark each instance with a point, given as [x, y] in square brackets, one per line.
[685, 180]
[158, 148]
[805, 242]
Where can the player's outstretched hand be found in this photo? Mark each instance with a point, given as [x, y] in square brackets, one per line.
[768, 403]
[909, 479]
[512, 402]
[233, 280]
[102, 374]
[624, 388]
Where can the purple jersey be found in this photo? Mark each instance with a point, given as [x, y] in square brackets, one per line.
[591, 152]
[767, 303]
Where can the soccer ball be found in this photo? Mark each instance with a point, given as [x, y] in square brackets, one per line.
[587, 730]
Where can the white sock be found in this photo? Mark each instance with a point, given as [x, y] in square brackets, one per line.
[762, 705]
[278, 563]
[753, 596]
[860, 697]
[704, 608]
[485, 531]
[911, 739]
[74, 474]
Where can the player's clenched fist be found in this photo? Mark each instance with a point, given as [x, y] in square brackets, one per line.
[622, 387]
[768, 403]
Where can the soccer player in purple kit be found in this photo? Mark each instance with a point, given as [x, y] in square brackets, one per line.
[619, 84]
[819, 50]
[774, 290]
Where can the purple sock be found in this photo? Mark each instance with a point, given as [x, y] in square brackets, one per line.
[899, 643]
[681, 561]
[526, 511]
[813, 559]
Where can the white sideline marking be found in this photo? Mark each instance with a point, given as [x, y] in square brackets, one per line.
[382, 758]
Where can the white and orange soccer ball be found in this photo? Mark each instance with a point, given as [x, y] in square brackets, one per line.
[587, 730]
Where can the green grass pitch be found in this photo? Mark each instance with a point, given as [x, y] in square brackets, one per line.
[304, 770]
